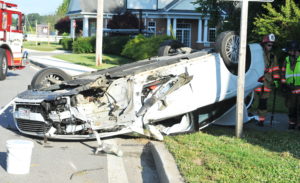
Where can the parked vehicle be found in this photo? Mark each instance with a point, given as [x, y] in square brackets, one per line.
[154, 97]
[11, 39]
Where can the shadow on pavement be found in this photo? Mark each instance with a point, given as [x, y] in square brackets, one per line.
[7, 120]
[149, 173]
[9, 74]
[3, 160]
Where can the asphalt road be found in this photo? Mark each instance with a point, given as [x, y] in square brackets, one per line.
[15, 83]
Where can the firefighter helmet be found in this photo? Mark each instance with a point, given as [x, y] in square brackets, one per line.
[269, 38]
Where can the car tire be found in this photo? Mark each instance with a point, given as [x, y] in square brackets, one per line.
[3, 64]
[169, 47]
[164, 51]
[227, 45]
[41, 78]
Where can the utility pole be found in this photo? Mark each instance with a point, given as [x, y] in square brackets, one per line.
[241, 66]
[241, 70]
[99, 36]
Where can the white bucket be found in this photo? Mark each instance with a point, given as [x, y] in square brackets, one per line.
[18, 156]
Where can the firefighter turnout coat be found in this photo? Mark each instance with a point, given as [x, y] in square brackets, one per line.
[272, 72]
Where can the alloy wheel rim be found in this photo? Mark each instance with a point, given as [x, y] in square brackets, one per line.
[232, 48]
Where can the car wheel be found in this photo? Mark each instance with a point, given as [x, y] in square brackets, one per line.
[3, 64]
[164, 51]
[169, 47]
[228, 45]
[47, 77]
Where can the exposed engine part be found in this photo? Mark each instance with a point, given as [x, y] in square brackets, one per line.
[75, 128]
[163, 90]
[59, 116]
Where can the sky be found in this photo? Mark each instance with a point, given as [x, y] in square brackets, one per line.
[43, 7]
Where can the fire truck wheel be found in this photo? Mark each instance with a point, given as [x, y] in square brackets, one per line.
[49, 76]
[3, 64]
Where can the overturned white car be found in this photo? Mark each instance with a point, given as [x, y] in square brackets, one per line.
[162, 95]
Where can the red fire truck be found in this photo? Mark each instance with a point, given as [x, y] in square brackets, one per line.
[11, 39]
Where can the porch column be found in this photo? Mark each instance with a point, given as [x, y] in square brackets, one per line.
[199, 30]
[72, 31]
[169, 26]
[205, 39]
[85, 27]
[174, 27]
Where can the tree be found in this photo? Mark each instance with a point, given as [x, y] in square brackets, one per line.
[283, 21]
[225, 15]
[124, 21]
[62, 10]
[63, 25]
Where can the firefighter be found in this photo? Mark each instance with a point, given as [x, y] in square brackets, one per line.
[291, 82]
[270, 78]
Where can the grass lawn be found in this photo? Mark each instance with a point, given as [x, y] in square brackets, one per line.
[215, 155]
[42, 47]
[89, 60]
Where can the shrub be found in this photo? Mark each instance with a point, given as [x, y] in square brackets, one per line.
[63, 25]
[124, 20]
[142, 47]
[84, 45]
[67, 43]
[114, 45]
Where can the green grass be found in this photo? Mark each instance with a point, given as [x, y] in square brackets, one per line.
[42, 47]
[215, 155]
[89, 60]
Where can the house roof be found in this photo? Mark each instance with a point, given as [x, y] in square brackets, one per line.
[111, 6]
[90, 6]
[172, 3]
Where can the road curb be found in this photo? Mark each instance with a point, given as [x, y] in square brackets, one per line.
[165, 164]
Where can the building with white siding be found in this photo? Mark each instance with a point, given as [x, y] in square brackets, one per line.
[176, 17]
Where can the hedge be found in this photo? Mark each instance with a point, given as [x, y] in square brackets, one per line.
[84, 45]
[114, 45]
[111, 45]
[67, 43]
[142, 47]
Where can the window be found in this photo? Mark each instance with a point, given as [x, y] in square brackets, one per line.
[152, 27]
[183, 33]
[15, 22]
[212, 35]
